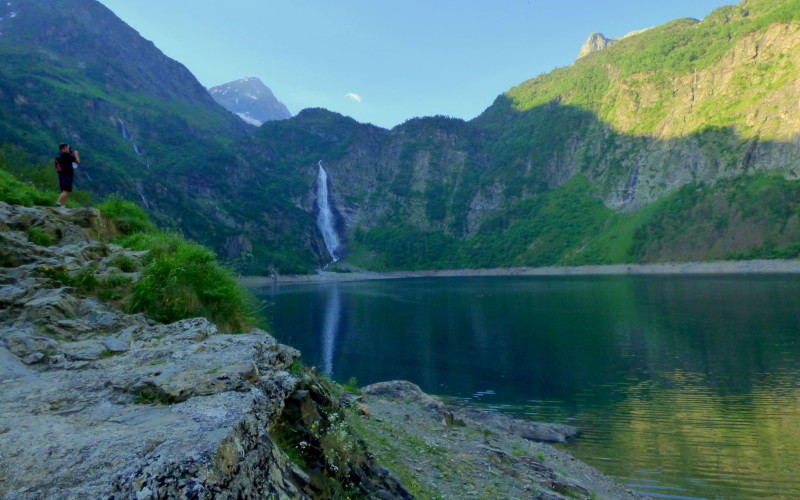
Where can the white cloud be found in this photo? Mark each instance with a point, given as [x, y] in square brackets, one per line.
[353, 96]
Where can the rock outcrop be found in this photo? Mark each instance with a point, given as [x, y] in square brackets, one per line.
[595, 43]
[448, 450]
[598, 41]
[97, 403]
[533, 431]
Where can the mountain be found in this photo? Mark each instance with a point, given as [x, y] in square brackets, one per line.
[251, 100]
[679, 143]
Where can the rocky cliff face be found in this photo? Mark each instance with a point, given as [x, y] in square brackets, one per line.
[102, 404]
[595, 43]
[251, 100]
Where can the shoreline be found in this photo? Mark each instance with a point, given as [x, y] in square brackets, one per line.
[682, 268]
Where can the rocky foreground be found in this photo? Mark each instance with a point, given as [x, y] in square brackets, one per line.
[97, 403]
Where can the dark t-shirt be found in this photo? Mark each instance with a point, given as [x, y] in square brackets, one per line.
[65, 161]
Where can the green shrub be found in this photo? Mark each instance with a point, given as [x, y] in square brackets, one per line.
[40, 237]
[182, 279]
[129, 217]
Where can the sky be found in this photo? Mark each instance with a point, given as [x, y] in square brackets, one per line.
[382, 61]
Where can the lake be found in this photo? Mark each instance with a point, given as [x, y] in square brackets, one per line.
[683, 387]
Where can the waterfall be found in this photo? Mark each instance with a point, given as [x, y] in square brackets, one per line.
[325, 220]
[123, 130]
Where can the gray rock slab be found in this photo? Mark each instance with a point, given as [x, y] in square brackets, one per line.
[11, 368]
[113, 344]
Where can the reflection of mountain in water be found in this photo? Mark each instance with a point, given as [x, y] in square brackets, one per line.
[330, 328]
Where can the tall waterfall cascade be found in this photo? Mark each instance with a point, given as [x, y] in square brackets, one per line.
[325, 220]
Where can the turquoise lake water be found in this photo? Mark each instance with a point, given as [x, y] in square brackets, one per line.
[683, 387]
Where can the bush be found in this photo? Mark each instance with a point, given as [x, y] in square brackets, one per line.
[182, 279]
[129, 217]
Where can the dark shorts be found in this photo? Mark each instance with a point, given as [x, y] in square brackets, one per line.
[65, 182]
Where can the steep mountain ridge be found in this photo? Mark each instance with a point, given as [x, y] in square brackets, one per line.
[80, 34]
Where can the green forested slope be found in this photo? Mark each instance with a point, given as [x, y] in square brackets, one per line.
[669, 131]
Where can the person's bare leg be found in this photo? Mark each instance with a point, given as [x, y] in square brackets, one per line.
[62, 199]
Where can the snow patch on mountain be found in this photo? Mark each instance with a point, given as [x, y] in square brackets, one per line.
[249, 119]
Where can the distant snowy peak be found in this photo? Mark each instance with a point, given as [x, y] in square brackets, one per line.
[251, 100]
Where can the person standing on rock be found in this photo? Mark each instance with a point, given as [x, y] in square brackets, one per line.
[66, 162]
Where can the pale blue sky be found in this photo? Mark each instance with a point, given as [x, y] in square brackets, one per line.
[404, 58]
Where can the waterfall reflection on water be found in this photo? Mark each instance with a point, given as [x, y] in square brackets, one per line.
[330, 327]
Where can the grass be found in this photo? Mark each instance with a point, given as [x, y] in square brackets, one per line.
[16, 192]
[129, 217]
[152, 396]
[125, 263]
[351, 386]
[518, 452]
[26, 184]
[182, 279]
[40, 237]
